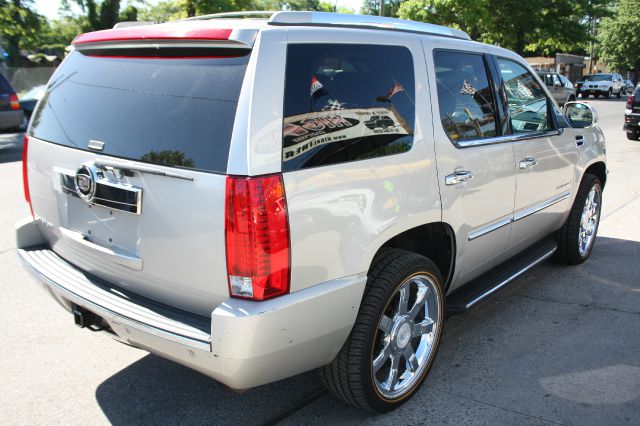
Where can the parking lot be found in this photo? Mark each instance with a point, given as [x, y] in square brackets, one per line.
[560, 345]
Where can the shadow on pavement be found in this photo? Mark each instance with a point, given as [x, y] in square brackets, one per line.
[11, 147]
[542, 347]
[155, 391]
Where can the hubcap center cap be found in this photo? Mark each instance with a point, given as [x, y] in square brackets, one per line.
[403, 336]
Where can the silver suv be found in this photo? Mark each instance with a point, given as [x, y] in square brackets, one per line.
[255, 198]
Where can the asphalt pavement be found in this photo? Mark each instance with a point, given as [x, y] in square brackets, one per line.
[560, 345]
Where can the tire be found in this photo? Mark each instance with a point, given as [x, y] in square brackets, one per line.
[572, 250]
[633, 136]
[381, 332]
[609, 93]
[619, 95]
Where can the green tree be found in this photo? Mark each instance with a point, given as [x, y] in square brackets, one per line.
[532, 26]
[372, 7]
[619, 37]
[19, 27]
[163, 11]
[109, 12]
[129, 14]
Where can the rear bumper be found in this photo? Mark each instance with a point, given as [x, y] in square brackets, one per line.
[244, 344]
[11, 119]
[587, 91]
[631, 123]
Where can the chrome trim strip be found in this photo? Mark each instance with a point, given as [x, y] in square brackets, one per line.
[506, 138]
[511, 278]
[520, 214]
[489, 228]
[528, 211]
[113, 316]
[112, 204]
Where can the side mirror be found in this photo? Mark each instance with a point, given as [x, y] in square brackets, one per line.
[580, 115]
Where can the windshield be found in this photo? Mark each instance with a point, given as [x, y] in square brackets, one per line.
[177, 112]
[598, 77]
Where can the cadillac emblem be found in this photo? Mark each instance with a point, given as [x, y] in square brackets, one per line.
[85, 182]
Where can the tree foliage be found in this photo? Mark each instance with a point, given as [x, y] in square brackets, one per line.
[619, 37]
[532, 26]
[19, 27]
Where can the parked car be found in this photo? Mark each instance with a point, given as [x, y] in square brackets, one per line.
[632, 115]
[28, 102]
[602, 84]
[254, 228]
[559, 86]
[628, 87]
[10, 112]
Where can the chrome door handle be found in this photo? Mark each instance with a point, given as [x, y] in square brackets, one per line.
[528, 162]
[458, 177]
[579, 140]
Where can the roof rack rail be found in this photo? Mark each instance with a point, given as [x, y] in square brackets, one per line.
[263, 14]
[327, 19]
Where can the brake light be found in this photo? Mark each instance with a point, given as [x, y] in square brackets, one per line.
[154, 32]
[13, 101]
[25, 177]
[257, 237]
[629, 101]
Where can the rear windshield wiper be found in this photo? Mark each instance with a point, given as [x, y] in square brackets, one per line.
[132, 167]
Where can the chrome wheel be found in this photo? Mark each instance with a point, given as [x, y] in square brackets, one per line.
[406, 336]
[589, 221]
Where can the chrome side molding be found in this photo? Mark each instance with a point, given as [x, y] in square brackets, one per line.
[520, 214]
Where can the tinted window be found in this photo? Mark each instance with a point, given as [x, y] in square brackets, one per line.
[598, 77]
[528, 103]
[170, 111]
[5, 87]
[346, 103]
[465, 97]
[547, 78]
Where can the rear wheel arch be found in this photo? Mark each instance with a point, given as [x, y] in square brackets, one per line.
[435, 241]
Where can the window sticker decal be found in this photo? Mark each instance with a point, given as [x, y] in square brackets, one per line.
[305, 131]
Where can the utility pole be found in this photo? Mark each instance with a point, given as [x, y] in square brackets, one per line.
[381, 7]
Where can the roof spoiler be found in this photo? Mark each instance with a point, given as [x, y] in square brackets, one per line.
[164, 38]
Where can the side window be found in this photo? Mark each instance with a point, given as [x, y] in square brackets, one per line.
[556, 80]
[465, 97]
[346, 102]
[528, 103]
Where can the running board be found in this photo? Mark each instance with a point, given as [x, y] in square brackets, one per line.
[488, 283]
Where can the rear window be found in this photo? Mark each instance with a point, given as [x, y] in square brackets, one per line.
[170, 111]
[346, 103]
[5, 87]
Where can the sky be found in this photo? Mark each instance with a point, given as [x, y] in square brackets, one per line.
[49, 8]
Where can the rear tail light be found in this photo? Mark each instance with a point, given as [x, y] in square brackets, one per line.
[25, 177]
[257, 237]
[13, 101]
[629, 101]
